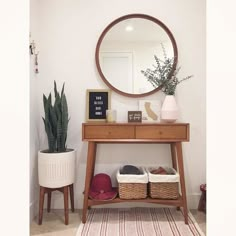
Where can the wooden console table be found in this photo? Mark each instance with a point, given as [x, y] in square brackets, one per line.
[173, 134]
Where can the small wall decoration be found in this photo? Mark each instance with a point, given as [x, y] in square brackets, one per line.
[134, 116]
[151, 110]
[32, 48]
[98, 101]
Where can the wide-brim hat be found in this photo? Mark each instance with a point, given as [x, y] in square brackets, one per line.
[101, 188]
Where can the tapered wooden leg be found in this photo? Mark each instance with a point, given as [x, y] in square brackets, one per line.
[89, 173]
[174, 164]
[49, 200]
[173, 155]
[72, 197]
[66, 205]
[93, 162]
[41, 201]
[182, 180]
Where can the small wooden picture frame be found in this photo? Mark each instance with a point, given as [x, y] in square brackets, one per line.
[97, 102]
[134, 116]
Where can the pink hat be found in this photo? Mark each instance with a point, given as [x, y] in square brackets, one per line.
[101, 188]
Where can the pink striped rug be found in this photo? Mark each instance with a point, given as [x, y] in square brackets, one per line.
[138, 222]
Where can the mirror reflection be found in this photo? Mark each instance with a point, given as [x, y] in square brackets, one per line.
[128, 46]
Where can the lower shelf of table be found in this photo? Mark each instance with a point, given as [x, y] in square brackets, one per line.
[172, 202]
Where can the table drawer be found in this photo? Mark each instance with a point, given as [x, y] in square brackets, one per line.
[109, 132]
[163, 132]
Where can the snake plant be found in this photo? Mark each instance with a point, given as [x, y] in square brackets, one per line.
[56, 120]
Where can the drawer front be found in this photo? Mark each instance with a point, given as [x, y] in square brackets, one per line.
[163, 132]
[109, 132]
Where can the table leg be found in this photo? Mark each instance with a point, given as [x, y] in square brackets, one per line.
[182, 180]
[174, 164]
[89, 172]
[173, 155]
[94, 158]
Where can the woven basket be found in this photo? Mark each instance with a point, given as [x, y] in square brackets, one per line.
[132, 190]
[164, 190]
[132, 186]
[163, 186]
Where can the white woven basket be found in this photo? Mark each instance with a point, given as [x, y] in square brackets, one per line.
[132, 186]
[155, 178]
[163, 186]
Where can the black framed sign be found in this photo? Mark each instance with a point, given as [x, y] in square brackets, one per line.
[134, 116]
[98, 101]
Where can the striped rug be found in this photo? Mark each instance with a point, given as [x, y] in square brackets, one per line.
[138, 222]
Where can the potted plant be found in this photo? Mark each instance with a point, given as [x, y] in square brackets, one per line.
[164, 74]
[56, 165]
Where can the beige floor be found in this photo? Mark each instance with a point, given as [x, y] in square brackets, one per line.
[53, 223]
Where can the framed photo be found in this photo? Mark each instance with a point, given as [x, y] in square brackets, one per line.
[151, 110]
[97, 102]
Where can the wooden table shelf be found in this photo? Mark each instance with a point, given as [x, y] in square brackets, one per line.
[172, 202]
[171, 133]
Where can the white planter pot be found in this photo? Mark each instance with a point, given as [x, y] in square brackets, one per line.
[169, 110]
[56, 169]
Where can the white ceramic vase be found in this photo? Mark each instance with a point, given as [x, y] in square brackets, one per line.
[56, 170]
[169, 109]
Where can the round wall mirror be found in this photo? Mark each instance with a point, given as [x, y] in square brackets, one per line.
[127, 46]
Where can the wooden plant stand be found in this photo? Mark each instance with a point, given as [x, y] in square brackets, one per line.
[64, 190]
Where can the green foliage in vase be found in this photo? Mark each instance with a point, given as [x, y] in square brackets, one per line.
[161, 75]
[56, 120]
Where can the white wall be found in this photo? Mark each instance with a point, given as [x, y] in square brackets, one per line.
[69, 30]
[35, 115]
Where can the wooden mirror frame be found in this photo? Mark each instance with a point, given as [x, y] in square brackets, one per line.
[142, 16]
